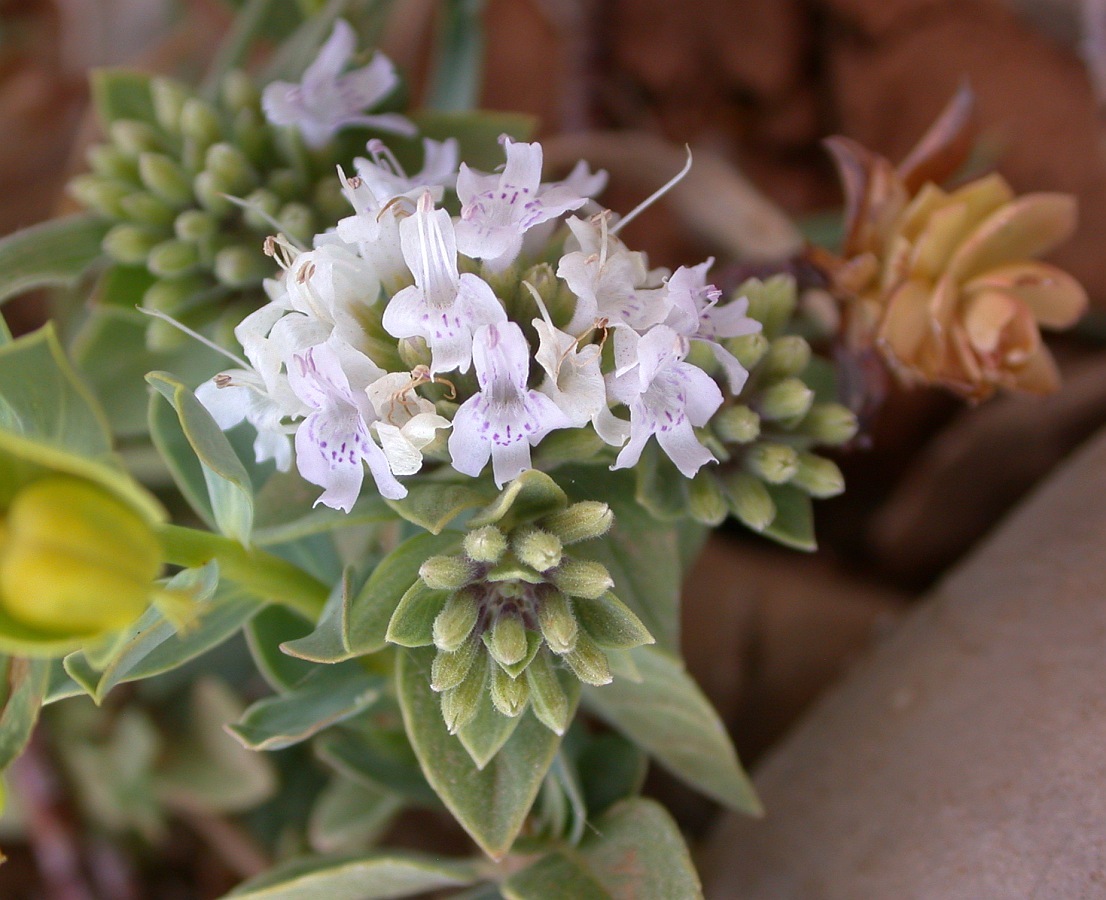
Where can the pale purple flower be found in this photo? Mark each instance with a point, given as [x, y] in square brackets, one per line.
[325, 100]
[442, 306]
[504, 419]
[497, 210]
[386, 178]
[667, 397]
[333, 443]
[374, 230]
[610, 282]
[696, 315]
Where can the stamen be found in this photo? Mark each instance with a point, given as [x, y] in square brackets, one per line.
[656, 195]
[383, 157]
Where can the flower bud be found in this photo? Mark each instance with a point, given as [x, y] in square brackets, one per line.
[588, 661]
[238, 267]
[459, 704]
[297, 221]
[557, 622]
[129, 244]
[101, 195]
[194, 225]
[485, 545]
[170, 295]
[261, 209]
[134, 138]
[108, 161]
[547, 697]
[169, 98]
[785, 400]
[749, 348]
[251, 135]
[414, 352]
[772, 462]
[329, 201]
[446, 573]
[144, 208]
[538, 549]
[580, 522]
[199, 122]
[74, 559]
[239, 91]
[508, 694]
[450, 667]
[705, 502]
[736, 425]
[165, 178]
[818, 476]
[506, 639]
[788, 355]
[210, 192]
[456, 621]
[771, 302]
[172, 258]
[749, 500]
[582, 578]
[231, 168]
[285, 183]
[830, 424]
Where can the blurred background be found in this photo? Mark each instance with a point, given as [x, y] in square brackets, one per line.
[756, 85]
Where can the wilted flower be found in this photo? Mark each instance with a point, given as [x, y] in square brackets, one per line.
[944, 282]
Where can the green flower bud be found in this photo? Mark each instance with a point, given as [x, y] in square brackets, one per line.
[238, 267]
[547, 697]
[199, 122]
[169, 98]
[231, 168]
[211, 194]
[772, 462]
[538, 549]
[239, 92]
[611, 623]
[580, 522]
[456, 621]
[771, 302]
[146, 209]
[109, 161]
[134, 138]
[785, 400]
[705, 502]
[506, 639]
[194, 226]
[557, 622]
[130, 244]
[582, 578]
[252, 135]
[749, 500]
[485, 545]
[830, 424]
[588, 661]
[261, 210]
[459, 704]
[171, 295]
[749, 348]
[788, 355]
[329, 201]
[508, 694]
[164, 177]
[736, 425]
[450, 668]
[101, 195]
[446, 573]
[818, 476]
[74, 559]
[285, 183]
[297, 221]
[173, 258]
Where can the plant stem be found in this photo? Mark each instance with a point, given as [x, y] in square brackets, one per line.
[262, 573]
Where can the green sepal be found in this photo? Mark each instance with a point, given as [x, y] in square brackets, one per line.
[793, 525]
[611, 623]
[484, 735]
[412, 623]
[530, 496]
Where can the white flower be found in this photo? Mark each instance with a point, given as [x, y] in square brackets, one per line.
[610, 282]
[504, 419]
[696, 315]
[407, 423]
[374, 230]
[326, 101]
[333, 442]
[442, 306]
[667, 397]
[386, 178]
[497, 210]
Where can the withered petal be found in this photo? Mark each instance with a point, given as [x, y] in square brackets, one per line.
[1055, 298]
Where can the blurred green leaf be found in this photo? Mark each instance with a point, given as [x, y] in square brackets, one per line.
[350, 815]
[476, 132]
[434, 504]
[53, 254]
[24, 689]
[265, 633]
[121, 94]
[458, 59]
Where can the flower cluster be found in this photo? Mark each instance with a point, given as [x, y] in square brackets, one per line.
[408, 333]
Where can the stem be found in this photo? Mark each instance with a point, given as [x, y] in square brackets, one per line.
[262, 573]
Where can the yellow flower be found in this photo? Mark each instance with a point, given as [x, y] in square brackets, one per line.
[944, 283]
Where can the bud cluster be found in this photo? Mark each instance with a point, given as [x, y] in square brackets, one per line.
[512, 607]
[165, 180]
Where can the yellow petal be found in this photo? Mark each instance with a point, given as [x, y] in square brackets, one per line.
[929, 199]
[1055, 298]
[983, 196]
[942, 234]
[985, 316]
[1027, 227]
[907, 321]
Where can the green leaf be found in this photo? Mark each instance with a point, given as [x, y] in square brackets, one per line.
[611, 768]
[372, 608]
[327, 642]
[530, 496]
[555, 875]
[229, 490]
[668, 716]
[490, 804]
[349, 815]
[794, 522]
[434, 504]
[326, 696]
[374, 876]
[486, 733]
[23, 691]
[458, 57]
[412, 623]
[476, 132]
[284, 511]
[265, 632]
[122, 94]
[53, 254]
[375, 756]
